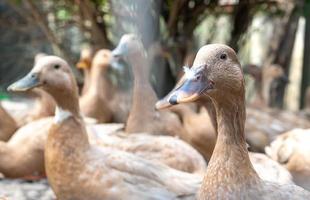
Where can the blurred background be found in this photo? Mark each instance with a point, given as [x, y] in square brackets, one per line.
[263, 32]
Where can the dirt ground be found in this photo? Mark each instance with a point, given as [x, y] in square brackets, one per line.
[18, 189]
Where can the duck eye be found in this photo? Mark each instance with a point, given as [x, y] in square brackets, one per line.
[223, 56]
[56, 66]
[198, 77]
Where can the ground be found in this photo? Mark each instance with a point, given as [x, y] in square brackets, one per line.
[17, 189]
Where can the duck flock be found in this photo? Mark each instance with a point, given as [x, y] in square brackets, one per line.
[201, 141]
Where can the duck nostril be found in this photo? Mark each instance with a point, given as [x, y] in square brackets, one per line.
[173, 100]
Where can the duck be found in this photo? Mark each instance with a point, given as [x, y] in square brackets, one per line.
[8, 125]
[103, 100]
[291, 149]
[77, 169]
[217, 74]
[84, 64]
[94, 102]
[143, 117]
[23, 155]
[266, 168]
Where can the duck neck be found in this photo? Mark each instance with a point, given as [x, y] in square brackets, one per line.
[68, 132]
[86, 72]
[99, 83]
[143, 93]
[230, 155]
[66, 99]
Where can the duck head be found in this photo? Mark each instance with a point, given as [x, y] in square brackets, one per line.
[215, 74]
[50, 72]
[53, 75]
[85, 58]
[129, 44]
[102, 58]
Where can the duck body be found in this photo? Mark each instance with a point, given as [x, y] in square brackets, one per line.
[22, 156]
[120, 174]
[156, 148]
[95, 106]
[7, 125]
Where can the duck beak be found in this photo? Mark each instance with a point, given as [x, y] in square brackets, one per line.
[120, 51]
[30, 81]
[83, 64]
[187, 90]
[118, 57]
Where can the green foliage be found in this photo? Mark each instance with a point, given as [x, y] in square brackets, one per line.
[63, 14]
[307, 8]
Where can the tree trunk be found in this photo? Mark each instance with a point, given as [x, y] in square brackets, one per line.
[306, 61]
[89, 12]
[281, 46]
[242, 18]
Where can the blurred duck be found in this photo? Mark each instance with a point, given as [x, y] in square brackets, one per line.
[44, 106]
[78, 170]
[23, 155]
[84, 64]
[94, 101]
[292, 150]
[200, 132]
[7, 125]
[143, 117]
[103, 101]
[217, 74]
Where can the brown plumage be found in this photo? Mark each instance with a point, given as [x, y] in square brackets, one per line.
[94, 101]
[7, 125]
[23, 155]
[103, 101]
[216, 73]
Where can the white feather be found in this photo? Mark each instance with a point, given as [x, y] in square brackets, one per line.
[189, 74]
[61, 115]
